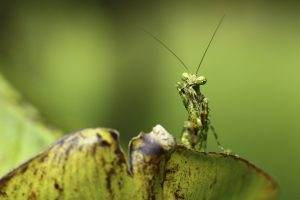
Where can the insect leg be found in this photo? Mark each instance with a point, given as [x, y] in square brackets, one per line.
[217, 138]
[203, 118]
[182, 93]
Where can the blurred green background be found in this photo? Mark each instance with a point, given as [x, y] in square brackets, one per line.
[89, 65]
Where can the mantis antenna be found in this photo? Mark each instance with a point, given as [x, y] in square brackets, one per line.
[164, 45]
[220, 22]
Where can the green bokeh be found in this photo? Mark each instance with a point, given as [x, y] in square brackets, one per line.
[88, 65]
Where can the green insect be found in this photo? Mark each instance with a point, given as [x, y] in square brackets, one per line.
[195, 129]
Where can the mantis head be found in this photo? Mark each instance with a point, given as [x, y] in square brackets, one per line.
[193, 79]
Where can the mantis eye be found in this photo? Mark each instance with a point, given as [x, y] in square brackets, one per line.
[201, 80]
[184, 76]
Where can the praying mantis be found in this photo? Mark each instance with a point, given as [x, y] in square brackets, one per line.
[195, 129]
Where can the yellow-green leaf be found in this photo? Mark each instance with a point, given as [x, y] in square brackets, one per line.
[85, 165]
[89, 164]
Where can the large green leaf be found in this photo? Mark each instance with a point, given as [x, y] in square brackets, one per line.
[84, 165]
[90, 164]
[22, 133]
[195, 175]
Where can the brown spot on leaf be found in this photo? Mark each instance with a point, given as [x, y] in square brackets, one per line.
[32, 196]
[114, 135]
[104, 143]
[3, 194]
[43, 158]
[178, 194]
[57, 187]
[5, 179]
[109, 175]
[24, 169]
[120, 155]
